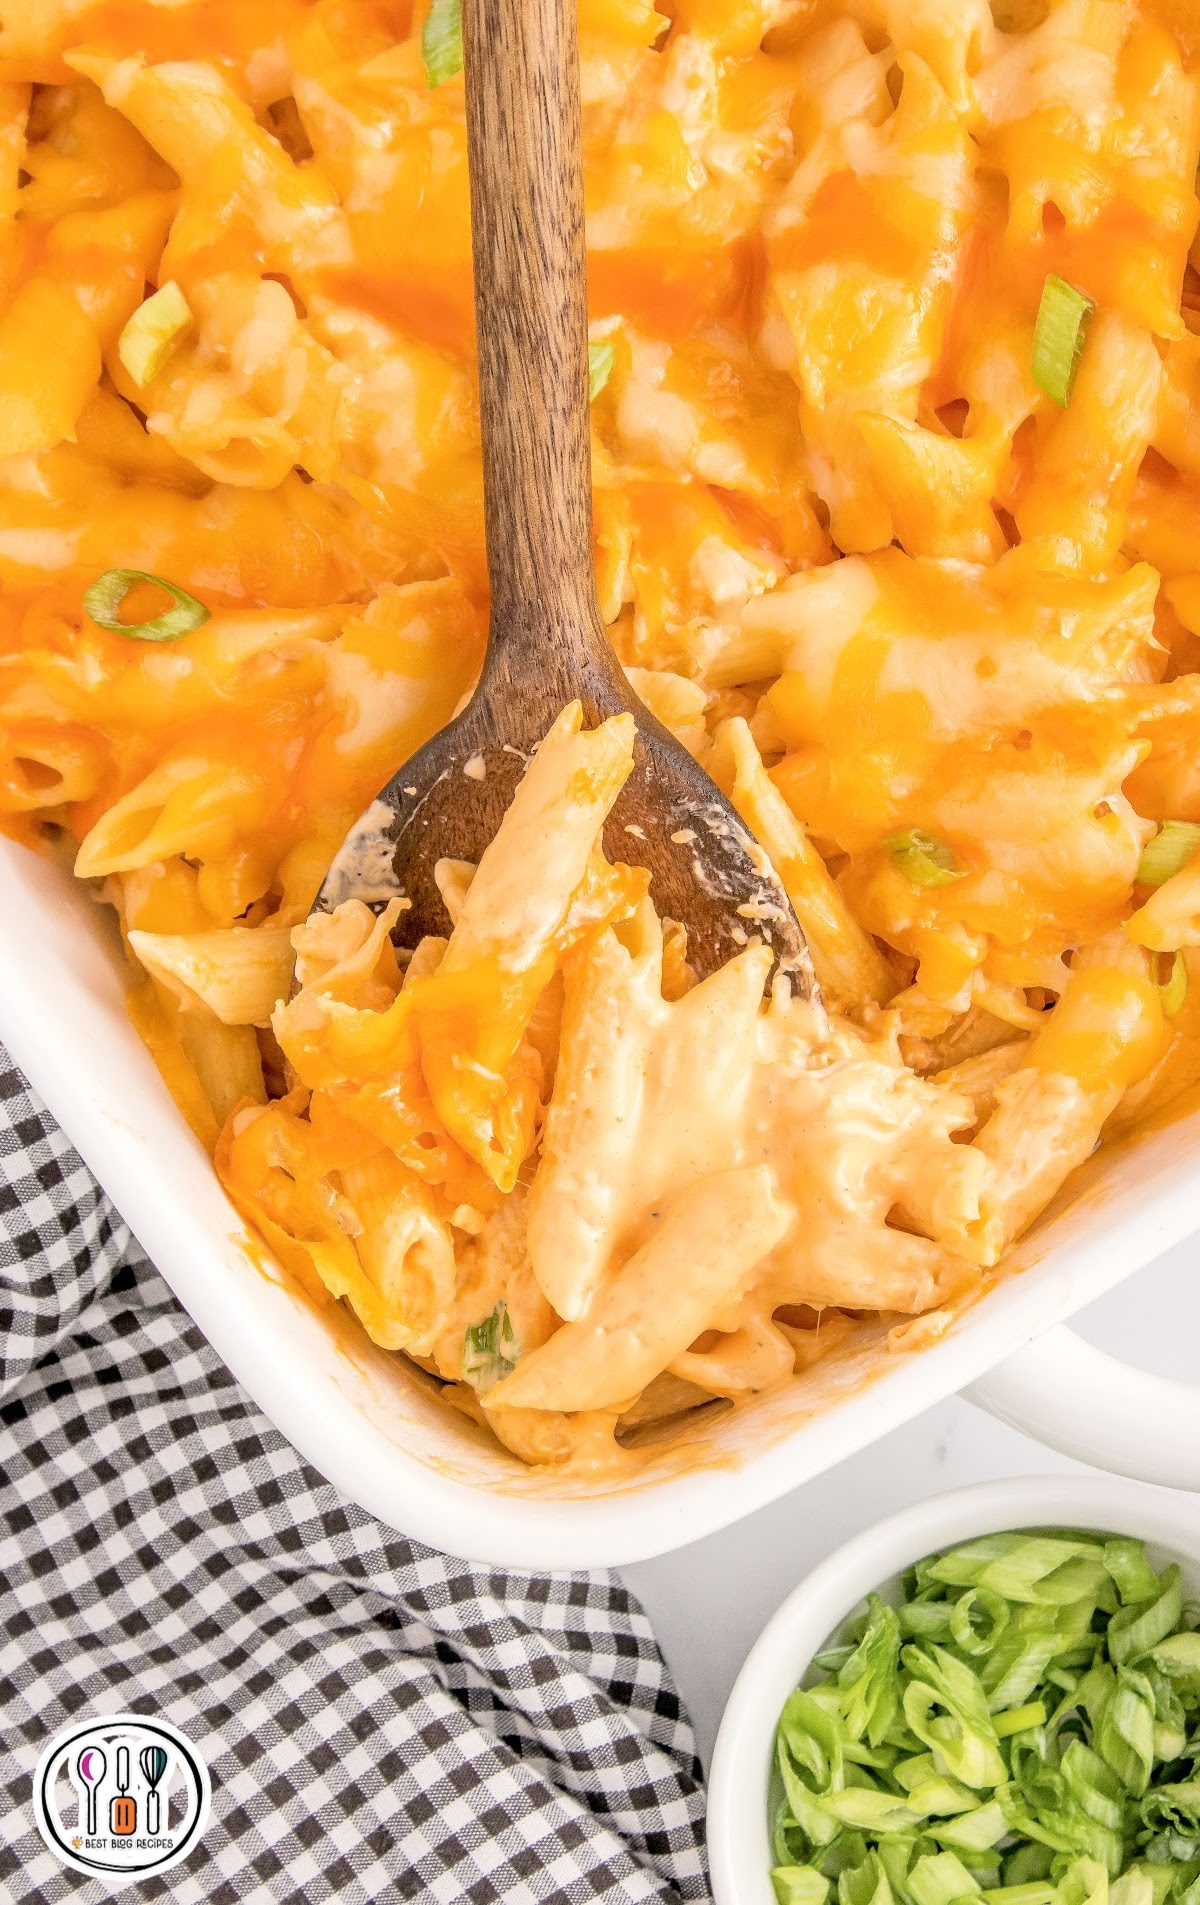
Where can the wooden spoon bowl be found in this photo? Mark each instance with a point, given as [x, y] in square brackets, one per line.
[546, 641]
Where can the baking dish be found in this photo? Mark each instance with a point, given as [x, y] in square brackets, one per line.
[382, 1436]
[738, 1838]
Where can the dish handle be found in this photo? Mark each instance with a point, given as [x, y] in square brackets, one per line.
[1084, 1403]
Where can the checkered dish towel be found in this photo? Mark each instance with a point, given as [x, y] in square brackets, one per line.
[379, 1720]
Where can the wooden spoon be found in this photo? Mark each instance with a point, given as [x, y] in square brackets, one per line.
[546, 641]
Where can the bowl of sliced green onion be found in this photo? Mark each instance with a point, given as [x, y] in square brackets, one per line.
[992, 1698]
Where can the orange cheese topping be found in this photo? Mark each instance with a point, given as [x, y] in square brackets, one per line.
[884, 585]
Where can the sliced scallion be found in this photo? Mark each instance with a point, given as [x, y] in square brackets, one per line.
[1020, 1719]
[1126, 1561]
[1168, 853]
[939, 1878]
[441, 41]
[601, 358]
[976, 1620]
[922, 858]
[1058, 338]
[1045, 1753]
[1173, 990]
[1125, 1735]
[799, 1885]
[489, 1349]
[1179, 1659]
[104, 598]
[154, 333]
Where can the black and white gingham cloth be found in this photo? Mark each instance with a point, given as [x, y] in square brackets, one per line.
[380, 1721]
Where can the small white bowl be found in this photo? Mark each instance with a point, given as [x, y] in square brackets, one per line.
[738, 1824]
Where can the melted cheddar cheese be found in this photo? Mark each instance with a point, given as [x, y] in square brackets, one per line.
[936, 634]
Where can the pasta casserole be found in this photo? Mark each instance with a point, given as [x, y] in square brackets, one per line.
[895, 367]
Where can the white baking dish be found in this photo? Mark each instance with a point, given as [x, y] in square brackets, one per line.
[370, 1424]
[738, 1806]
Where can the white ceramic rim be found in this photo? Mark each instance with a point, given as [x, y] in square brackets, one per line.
[738, 1834]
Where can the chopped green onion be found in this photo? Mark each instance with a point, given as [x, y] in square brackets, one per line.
[1125, 1735]
[1125, 1559]
[927, 1620]
[1020, 1719]
[895, 1855]
[1093, 1786]
[939, 1798]
[601, 358]
[1058, 338]
[1168, 853]
[961, 1735]
[1162, 1881]
[908, 1774]
[1179, 1659]
[1174, 1810]
[1027, 1647]
[799, 1885]
[1028, 1865]
[103, 601]
[868, 1680]
[1037, 1892]
[1134, 1630]
[1036, 1743]
[154, 333]
[975, 1831]
[1023, 1567]
[441, 41]
[940, 1878]
[1085, 1882]
[1169, 1741]
[489, 1350]
[977, 1620]
[1173, 992]
[865, 1884]
[870, 1810]
[787, 1840]
[832, 1658]
[922, 858]
[1136, 1888]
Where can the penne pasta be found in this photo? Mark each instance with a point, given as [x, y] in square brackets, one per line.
[848, 964]
[226, 1062]
[704, 1250]
[1170, 917]
[611, 1146]
[1106, 1033]
[895, 419]
[238, 976]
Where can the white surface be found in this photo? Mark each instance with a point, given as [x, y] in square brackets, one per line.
[738, 1802]
[710, 1601]
[374, 1430]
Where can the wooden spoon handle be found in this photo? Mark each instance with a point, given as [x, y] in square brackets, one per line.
[526, 164]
